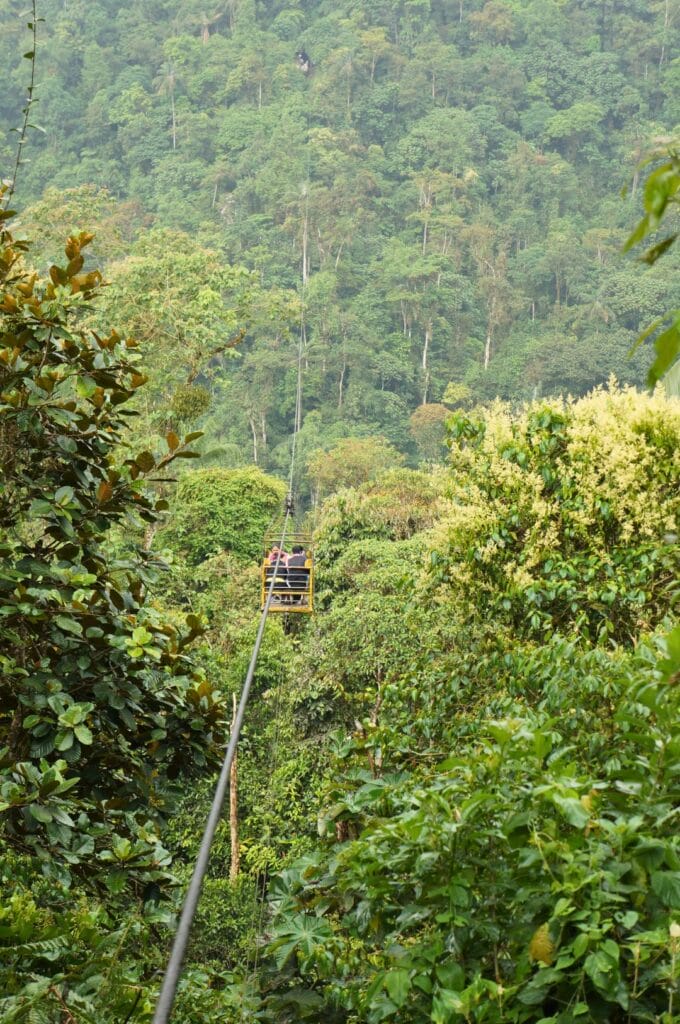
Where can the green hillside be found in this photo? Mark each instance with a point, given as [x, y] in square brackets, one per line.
[441, 188]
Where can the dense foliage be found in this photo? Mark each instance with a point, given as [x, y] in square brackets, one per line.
[499, 839]
[100, 705]
[440, 189]
[554, 527]
[500, 870]
[223, 510]
[456, 793]
[483, 716]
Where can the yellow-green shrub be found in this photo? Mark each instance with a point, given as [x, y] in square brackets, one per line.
[564, 513]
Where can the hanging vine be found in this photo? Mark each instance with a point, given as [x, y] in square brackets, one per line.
[26, 109]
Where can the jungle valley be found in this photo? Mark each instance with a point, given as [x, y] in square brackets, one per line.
[414, 263]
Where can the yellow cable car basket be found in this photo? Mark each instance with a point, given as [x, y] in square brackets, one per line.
[293, 592]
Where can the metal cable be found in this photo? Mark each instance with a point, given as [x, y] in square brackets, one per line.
[298, 403]
[166, 997]
[259, 912]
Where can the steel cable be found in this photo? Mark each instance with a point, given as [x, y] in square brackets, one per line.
[180, 943]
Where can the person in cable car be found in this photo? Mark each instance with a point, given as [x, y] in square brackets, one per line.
[304, 62]
[293, 579]
[281, 582]
[298, 556]
[274, 554]
[298, 574]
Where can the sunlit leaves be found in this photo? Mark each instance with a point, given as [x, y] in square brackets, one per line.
[541, 946]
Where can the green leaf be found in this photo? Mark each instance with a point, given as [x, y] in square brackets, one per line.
[451, 976]
[41, 508]
[84, 735]
[68, 624]
[115, 881]
[666, 885]
[656, 251]
[75, 714]
[40, 813]
[145, 461]
[63, 495]
[667, 348]
[573, 810]
[398, 986]
[122, 849]
[64, 740]
[85, 387]
[141, 636]
[445, 1006]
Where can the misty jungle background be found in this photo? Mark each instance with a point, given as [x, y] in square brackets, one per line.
[441, 191]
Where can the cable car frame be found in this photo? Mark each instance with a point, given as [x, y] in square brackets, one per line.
[293, 592]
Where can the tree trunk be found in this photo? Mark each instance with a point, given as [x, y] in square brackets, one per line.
[666, 23]
[174, 123]
[426, 369]
[149, 534]
[337, 258]
[305, 239]
[17, 735]
[341, 383]
[254, 433]
[490, 324]
[341, 831]
[233, 811]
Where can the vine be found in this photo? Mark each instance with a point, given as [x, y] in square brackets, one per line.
[26, 110]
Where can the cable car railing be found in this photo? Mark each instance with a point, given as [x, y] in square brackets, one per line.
[292, 573]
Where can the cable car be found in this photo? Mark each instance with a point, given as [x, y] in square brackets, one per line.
[293, 591]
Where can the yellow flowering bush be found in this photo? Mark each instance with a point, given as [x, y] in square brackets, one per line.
[564, 513]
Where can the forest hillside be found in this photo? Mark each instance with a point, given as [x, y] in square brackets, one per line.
[438, 186]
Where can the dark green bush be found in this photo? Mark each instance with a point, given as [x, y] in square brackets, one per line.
[216, 510]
